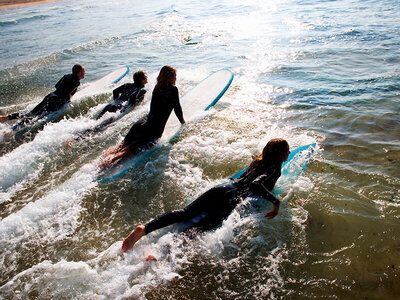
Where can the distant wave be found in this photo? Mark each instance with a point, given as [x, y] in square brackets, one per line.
[22, 20]
[90, 45]
[31, 66]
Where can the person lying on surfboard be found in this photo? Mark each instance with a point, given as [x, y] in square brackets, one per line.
[147, 130]
[66, 87]
[127, 95]
[212, 207]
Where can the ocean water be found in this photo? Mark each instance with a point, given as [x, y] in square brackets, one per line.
[308, 71]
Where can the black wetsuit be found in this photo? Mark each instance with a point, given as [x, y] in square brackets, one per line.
[66, 87]
[131, 93]
[148, 129]
[211, 208]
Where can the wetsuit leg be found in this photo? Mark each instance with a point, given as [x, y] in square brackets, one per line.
[14, 116]
[139, 137]
[109, 108]
[216, 204]
[48, 104]
[136, 132]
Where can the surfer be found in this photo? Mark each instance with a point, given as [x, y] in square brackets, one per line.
[145, 132]
[127, 95]
[66, 87]
[216, 204]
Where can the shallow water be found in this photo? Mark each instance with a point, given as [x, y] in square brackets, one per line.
[308, 71]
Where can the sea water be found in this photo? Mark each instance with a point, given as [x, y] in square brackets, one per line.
[307, 71]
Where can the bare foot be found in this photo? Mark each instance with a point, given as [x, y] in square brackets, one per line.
[113, 156]
[3, 119]
[132, 238]
[151, 258]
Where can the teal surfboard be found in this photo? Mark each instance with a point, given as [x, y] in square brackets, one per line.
[194, 105]
[96, 86]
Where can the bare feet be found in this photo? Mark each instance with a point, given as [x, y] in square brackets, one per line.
[114, 155]
[3, 119]
[151, 258]
[132, 238]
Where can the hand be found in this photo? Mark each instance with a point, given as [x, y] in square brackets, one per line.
[273, 212]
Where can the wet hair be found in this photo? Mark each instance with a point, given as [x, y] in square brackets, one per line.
[138, 77]
[273, 154]
[164, 78]
[76, 69]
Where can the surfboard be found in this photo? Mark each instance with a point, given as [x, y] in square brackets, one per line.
[195, 104]
[97, 86]
[101, 84]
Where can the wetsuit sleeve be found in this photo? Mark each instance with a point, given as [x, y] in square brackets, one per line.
[67, 86]
[118, 91]
[59, 82]
[75, 89]
[177, 108]
[259, 187]
[137, 97]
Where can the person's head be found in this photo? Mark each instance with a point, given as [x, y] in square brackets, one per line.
[166, 77]
[276, 150]
[79, 71]
[140, 78]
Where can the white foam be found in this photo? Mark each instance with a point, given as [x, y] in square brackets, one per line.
[25, 162]
[50, 218]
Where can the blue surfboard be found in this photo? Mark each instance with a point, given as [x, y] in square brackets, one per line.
[194, 105]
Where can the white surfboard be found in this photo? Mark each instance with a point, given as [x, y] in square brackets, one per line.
[96, 87]
[194, 103]
[101, 84]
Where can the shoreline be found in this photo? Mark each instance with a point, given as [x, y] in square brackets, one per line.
[18, 3]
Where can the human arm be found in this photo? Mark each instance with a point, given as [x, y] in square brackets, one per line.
[118, 91]
[260, 186]
[67, 86]
[136, 97]
[74, 90]
[273, 212]
[59, 82]
[177, 107]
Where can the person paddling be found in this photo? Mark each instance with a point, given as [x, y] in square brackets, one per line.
[215, 205]
[147, 130]
[127, 95]
[66, 87]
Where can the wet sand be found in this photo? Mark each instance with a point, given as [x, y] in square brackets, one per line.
[17, 3]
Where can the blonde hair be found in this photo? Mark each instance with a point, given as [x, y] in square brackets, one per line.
[165, 76]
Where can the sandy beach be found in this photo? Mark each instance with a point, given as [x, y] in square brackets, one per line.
[16, 3]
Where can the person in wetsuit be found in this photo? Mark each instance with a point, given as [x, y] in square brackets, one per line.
[127, 95]
[145, 132]
[215, 205]
[66, 87]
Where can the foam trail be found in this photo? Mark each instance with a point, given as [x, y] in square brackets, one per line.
[115, 275]
[26, 161]
[52, 217]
